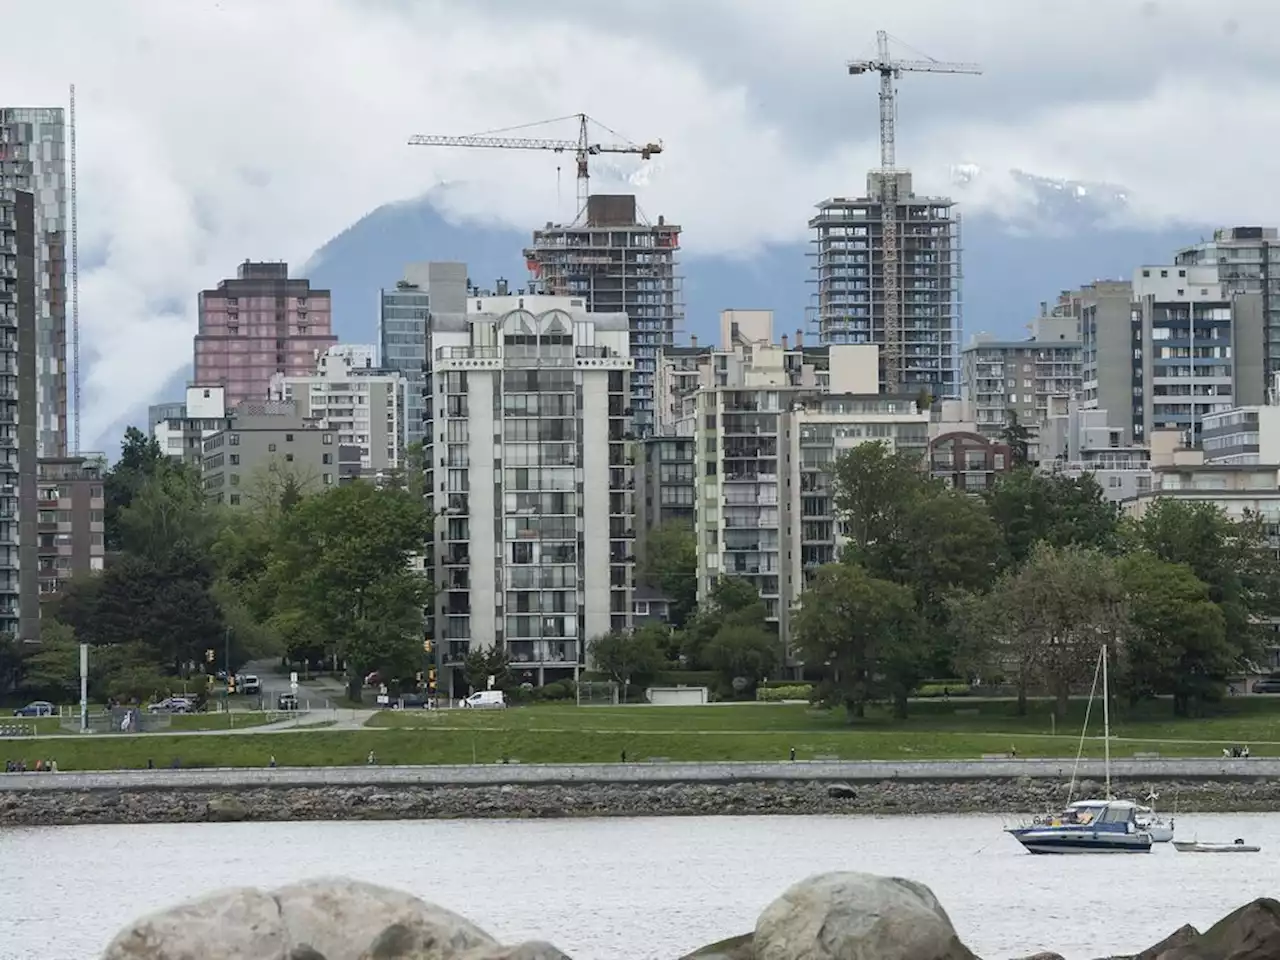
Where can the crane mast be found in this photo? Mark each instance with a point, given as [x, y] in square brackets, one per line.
[582, 148]
[889, 70]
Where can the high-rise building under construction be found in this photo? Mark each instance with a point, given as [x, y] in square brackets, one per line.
[853, 281]
[618, 264]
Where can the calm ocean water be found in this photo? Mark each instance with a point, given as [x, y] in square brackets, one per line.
[636, 888]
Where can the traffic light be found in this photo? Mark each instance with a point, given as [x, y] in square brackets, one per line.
[431, 680]
[426, 646]
[208, 656]
[231, 684]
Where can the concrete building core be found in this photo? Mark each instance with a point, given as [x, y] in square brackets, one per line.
[616, 263]
[850, 277]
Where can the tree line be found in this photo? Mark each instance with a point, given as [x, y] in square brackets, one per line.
[192, 589]
[1018, 587]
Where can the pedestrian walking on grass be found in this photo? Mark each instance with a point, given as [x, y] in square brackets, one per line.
[793, 753]
[372, 758]
[272, 763]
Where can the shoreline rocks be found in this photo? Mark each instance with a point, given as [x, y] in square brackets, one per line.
[832, 916]
[528, 801]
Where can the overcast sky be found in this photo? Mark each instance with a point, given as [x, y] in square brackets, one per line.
[215, 130]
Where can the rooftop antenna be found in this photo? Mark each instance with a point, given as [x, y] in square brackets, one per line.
[75, 292]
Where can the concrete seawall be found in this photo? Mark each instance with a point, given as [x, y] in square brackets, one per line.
[640, 773]
[615, 790]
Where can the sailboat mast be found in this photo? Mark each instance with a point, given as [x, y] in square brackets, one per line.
[1106, 722]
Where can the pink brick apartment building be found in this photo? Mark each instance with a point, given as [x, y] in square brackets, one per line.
[259, 324]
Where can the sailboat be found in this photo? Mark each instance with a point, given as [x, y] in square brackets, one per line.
[1090, 826]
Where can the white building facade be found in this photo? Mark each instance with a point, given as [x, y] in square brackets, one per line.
[364, 406]
[528, 472]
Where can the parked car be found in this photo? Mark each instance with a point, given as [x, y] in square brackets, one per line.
[173, 705]
[286, 701]
[486, 700]
[410, 701]
[1269, 685]
[36, 708]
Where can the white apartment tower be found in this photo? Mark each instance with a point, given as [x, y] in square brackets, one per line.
[768, 421]
[364, 406]
[528, 469]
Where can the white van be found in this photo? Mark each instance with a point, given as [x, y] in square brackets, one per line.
[486, 700]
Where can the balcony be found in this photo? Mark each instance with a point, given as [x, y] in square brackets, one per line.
[557, 652]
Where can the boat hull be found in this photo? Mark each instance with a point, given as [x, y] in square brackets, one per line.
[1160, 832]
[1216, 847]
[1081, 841]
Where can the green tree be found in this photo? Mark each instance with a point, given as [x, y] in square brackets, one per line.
[140, 458]
[909, 529]
[743, 655]
[1232, 557]
[873, 486]
[1017, 438]
[859, 631]
[1050, 617]
[1028, 507]
[669, 564]
[167, 606]
[51, 670]
[168, 512]
[628, 657]
[1176, 640]
[341, 565]
[732, 602]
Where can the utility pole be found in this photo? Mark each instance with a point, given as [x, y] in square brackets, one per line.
[84, 688]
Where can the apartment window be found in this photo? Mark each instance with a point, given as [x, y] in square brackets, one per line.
[288, 438]
[235, 499]
[235, 440]
[288, 458]
[271, 448]
[235, 479]
[328, 479]
[327, 458]
[235, 459]
[327, 439]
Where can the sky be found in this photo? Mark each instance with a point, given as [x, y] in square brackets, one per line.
[211, 131]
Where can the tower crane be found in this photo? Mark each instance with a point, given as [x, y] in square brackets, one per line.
[582, 148]
[889, 70]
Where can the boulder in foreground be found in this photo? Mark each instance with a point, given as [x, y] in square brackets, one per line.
[328, 919]
[857, 916]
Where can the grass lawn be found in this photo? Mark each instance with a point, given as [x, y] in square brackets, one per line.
[1240, 720]
[552, 734]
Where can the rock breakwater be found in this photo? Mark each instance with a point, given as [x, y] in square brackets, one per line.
[176, 804]
[833, 916]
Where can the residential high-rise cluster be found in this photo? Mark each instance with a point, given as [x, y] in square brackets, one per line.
[558, 422]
